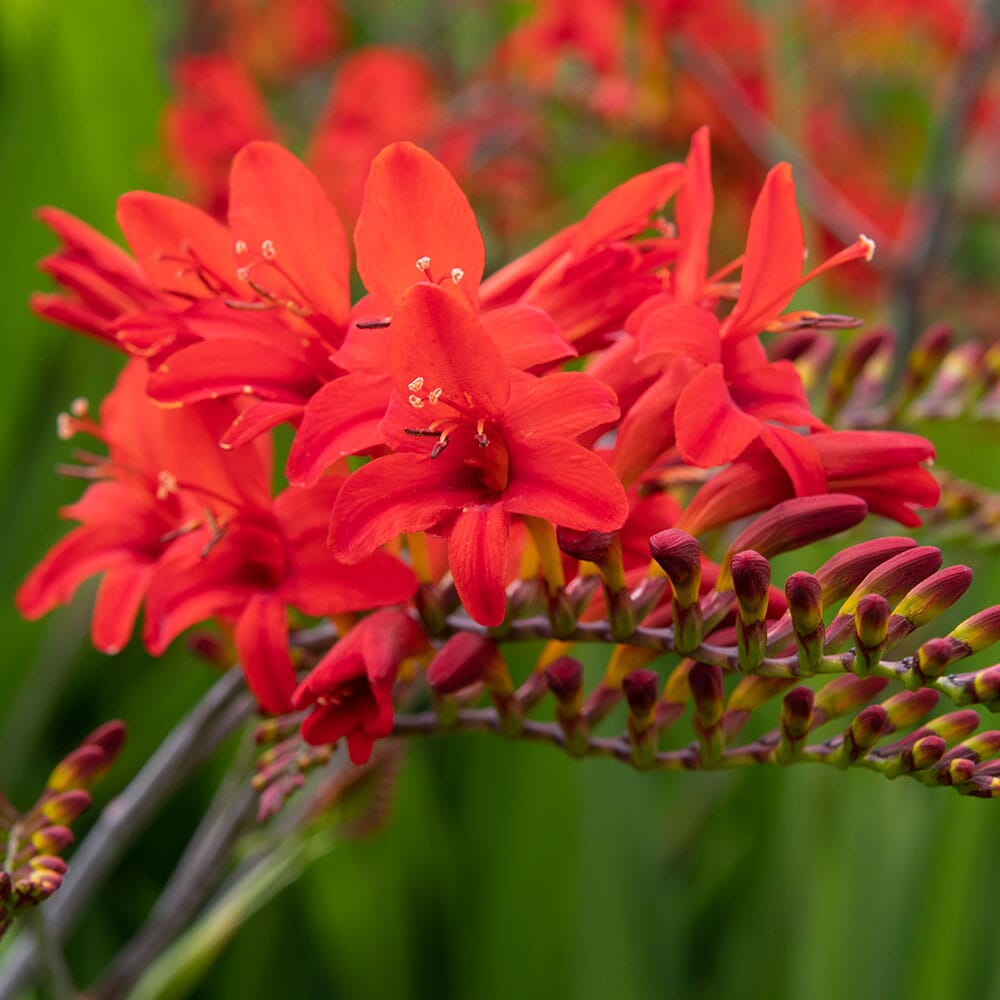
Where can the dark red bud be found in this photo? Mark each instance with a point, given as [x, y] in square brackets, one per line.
[708, 692]
[462, 661]
[797, 712]
[751, 574]
[927, 752]
[679, 556]
[588, 546]
[641, 688]
[805, 601]
[871, 621]
[78, 768]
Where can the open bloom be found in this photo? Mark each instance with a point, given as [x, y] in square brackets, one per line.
[350, 688]
[192, 531]
[475, 443]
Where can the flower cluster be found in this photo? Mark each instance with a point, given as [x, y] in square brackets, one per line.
[610, 383]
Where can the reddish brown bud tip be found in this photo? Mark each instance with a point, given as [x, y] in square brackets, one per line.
[462, 661]
[751, 574]
[794, 523]
[708, 692]
[51, 839]
[868, 725]
[896, 576]
[49, 862]
[953, 727]
[961, 770]
[927, 751]
[986, 684]
[641, 688]
[843, 694]
[841, 574]
[64, 807]
[565, 678]
[871, 621]
[679, 556]
[797, 713]
[805, 601]
[78, 768]
[933, 657]
[589, 546]
[110, 738]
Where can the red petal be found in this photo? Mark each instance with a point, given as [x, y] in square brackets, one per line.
[118, 599]
[477, 556]
[773, 263]
[797, 455]
[527, 337]
[437, 340]
[562, 404]
[680, 329]
[413, 208]
[274, 197]
[626, 210]
[216, 368]
[169, 237]
[695, 204]
[392, 495]
[257, 419]
[341, 419]
[262, 644]
[565, 484]
[711, 428]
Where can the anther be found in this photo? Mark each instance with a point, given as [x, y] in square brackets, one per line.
[423, 264]
[481, 439]
[439, 445]
[417, 384]
[434, 395]
[64, 426]
[243, 273]
[166, 483]
[416, 402]
[79, 407]
[373, 324]
[869, 244]
[457, 274]
[267, 249]
[241, 246]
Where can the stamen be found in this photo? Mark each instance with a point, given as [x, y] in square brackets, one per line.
[79, 407]
[241, 246]
[440, 445]
[869, 243]
[417, 384]
[423, 264]
[166, 483]
[373, 324]
[481, 439]
[416, 402]
[64, 426]
[434, 395]
[267, 249]
[420, 432]
[457, 274]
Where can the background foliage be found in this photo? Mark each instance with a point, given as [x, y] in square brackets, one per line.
[505, 870]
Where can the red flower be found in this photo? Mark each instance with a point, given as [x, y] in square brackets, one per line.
[351, 686]
[503, 444]
[192, 530]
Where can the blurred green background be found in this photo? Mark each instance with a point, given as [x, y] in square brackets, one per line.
[505, 870]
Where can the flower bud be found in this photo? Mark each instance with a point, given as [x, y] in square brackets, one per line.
[978, 747]
[925, 357]
[929, 598]
[602, 548]
[865, 353]
[51, 839]
[751, 574]
[934, 656]
[64, 807]
[926, 752]
[986, 685]
[871, 626]
[110, 738]
[78, 768]
[49, 862]
[804, 593]
[979, 631]
[565, 680]
[641, 689]
[953, 727]
[708, 693]
[865, 730]
[463, 660]
[679, 556]
[796, 722]
[793, 524]
[842, 573]
[959, 771]
[907, 708]
[844, 694]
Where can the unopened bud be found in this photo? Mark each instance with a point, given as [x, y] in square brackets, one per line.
[751, 574]
[926, 752]
[986, 685]
[110, 738]
[932, 596]
[842, 573]
[844, 694]
[793, 524]
[934, 656]
[960, 771]
[49, 862]
[979, 746]
[804, 593]
[51, 839]
[641, 688]
[925, 357]
[602, 548]
[78, 768]
[907, 708]
[64, 807]
[463, 661]
[708, 692]
[979, 631]
[871, 625]
[796, 722]
[5, 890]
[865, 730]
[953, 727]
[565, 680]
[679, 556]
